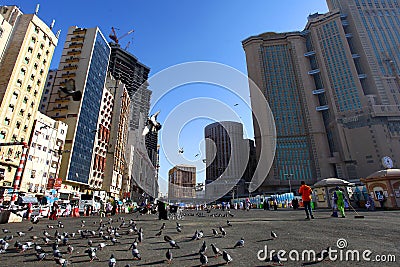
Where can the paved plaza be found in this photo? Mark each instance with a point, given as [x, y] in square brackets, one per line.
[378, 232]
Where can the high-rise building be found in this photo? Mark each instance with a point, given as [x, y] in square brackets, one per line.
[115, 181]
[226, 156]
[182, 182]
[84, 60]
[333, 89]
[26, 49]
[126, 68]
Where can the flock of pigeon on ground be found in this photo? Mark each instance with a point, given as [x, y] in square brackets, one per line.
[108, 232]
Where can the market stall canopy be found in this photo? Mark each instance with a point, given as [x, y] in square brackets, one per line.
[385, 173]
[332, 182]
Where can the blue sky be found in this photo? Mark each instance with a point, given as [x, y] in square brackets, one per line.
[178, 31]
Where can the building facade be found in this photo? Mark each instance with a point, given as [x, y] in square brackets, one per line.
[333, 90]
[116, 182]
[26, 49]
[44, 155]
[181, 182]
[84, 60]
[227, 155]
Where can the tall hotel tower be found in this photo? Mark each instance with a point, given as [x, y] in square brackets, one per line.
[26, 49]
[85, 60]
[334, 91]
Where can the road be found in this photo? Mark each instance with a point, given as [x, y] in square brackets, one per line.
[378, 232]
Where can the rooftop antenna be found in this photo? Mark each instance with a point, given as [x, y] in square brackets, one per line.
[37, 9]
[52, 24]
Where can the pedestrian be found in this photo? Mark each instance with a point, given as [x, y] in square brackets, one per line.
[381, 199]
[295, 203]
[54, 210]
[339, 198]
[275, 204]
[370, 205]
[305, 192]
[68, 210]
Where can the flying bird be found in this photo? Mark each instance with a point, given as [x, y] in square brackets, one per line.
[180, 151]
[70, 90]
[236, 104]
[152, 124]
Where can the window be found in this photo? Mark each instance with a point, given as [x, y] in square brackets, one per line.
[25, 128]
[26, 60]
[35, 66]
[6, 121]
[18, 124]
[32, 77]
[36, 92]
[11, 108]
[47, 52]
[19, 83]
[30, 49]
[41, 46]
[28, 88]
[39, 55]
[25, 100]
[33, 40]
[2, 135]
[37, 29]
[21, 112]
[23, 71]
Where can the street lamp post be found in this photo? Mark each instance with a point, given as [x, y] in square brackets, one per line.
[289, 175]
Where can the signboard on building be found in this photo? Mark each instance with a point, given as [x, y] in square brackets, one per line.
[58, 183]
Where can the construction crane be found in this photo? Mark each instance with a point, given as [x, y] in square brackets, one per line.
[113, 35]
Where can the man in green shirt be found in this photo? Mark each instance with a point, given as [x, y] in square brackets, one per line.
[339, 198]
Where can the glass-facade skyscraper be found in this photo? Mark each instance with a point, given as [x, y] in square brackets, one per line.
[334, 90]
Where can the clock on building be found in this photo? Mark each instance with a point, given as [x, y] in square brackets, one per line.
[387, 162]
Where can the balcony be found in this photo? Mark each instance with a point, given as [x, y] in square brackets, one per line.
[343, 16]
[68, 75]
[345, 23]
[318, 91]
[349, 35]
[312, 72]
[61, 108]
[70, 67]
[362, 76]
[77, 39]
[308, 54]
[74, 59]
[74, 52]
[321, 108]
[355, 56]
[75, 45]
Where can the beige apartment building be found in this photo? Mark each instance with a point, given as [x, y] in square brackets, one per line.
[334, 92]
[44, 155]
[26, 49]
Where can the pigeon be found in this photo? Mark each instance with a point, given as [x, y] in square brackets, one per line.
[112, 261]
[35, 220]
[159, 233]
[57, 253]
[273, 235]
[20, 233]
[321, 256]
[102, 245]
[203, 248]
[70, 90]
[168, 255]
[167, 238]
[163, 226]
[140, 237]
[134, 244]
[173, 244]
[61, 261]
[38, 249]
[275, 259]
[30, 229]
[114, 240]
[228, 223]
[215, 232]
[91, 253]
[41, 256]
[216, 250]
[223, 233]
[90, 243]
[70, 249]
[239, 243]
[136, 254]
[152, 124]
[178, 225]
[180, 151]
[203, 259]
[5, 230]
[178, 229]
[227, 258]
